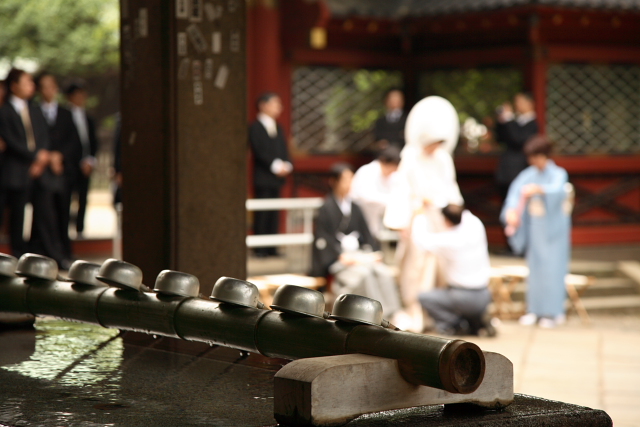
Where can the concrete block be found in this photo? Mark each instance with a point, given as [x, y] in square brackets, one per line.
[329, 391]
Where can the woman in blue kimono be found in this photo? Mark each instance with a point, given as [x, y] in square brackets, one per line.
[537, 214]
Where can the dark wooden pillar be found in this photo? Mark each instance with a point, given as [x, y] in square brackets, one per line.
[184, 137]
[265, 51]
[537, 75]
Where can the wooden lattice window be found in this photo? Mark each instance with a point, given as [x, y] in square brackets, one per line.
[475, 93]
[334, 109]
[594, 109]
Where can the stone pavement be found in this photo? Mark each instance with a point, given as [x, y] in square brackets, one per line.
[597, 366]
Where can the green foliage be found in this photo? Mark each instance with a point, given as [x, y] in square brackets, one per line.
[359, 99]
[476, 92]
[79, 37]
[375, 83]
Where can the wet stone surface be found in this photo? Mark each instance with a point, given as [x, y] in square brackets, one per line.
[72, 374]
[83, 375]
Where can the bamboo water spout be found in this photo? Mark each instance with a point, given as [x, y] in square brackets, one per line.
[452, 365]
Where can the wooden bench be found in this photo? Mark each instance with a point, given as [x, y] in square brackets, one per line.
[268, 284]
[505, 279]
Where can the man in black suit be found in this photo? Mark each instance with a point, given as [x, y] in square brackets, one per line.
[271, 164]
[66, 150]
[343, 246]
[389, 129]
[86, 129]
[513, 131]
[24, 131]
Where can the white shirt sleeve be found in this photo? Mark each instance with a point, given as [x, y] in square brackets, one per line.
[277, 166]
[366, 185]
[429, 241]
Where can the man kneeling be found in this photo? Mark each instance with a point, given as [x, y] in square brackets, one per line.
[460, 307]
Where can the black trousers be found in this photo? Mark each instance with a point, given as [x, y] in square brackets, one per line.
[82, 189]
[45, 232]
[62, 207]
[266, 222]
[15, 201]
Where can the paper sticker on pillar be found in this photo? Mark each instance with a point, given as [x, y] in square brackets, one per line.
[183, 68]
[234, 41]
[222, 76]
[216, 42]
[208, 69]
[143, 22]
[182, 9]
[198, 96]
[212, 11]
[182, 44]
[197, 38]
[196, 69]
[232, 5]
[196, 11]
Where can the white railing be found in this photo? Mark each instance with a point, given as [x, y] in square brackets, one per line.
[307, 206]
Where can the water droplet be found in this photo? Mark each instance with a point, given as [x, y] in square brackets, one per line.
[155, 336]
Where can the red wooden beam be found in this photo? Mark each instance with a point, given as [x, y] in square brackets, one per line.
[347, 58]
[468, 58]
[573, 164]
[586, 53]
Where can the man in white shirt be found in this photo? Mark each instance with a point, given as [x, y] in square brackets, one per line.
[425, 182]
[460, 307]
[372, 186]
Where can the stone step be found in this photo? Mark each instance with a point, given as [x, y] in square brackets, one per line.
[611, 286]
[577, 266]
[627, 304]
[615, 304]
[603, 287]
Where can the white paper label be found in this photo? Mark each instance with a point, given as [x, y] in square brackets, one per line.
[182, 44]
[216, 42]
[182, 9]
[196, 70]
[210, 11]
[197, 38]
[234, 41]
[208, 68]
[221, 77]
[143, 22]
[198, 96]
[196, 11]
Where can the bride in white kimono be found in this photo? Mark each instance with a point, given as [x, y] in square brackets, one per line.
[425, 183]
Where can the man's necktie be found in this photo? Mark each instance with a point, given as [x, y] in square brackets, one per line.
[26, 121]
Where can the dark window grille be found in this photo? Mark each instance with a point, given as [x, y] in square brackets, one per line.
[334, 109]
[594, 109]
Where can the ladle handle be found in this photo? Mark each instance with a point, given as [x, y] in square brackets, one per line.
[261, 306]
